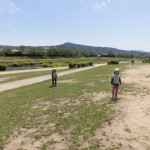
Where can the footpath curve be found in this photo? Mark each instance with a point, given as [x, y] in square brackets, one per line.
[29, 81]
[29, 70]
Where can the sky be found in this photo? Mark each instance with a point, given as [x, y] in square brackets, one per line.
[123, 24]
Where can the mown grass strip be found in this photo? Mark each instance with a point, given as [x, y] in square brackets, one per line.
[19, 76]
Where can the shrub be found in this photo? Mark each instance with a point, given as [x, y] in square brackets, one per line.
[15, 64]
[26, 63]
[74, 64]
[108, 63]
[78, 65]
[45, 65]
[147, 60]
[113, 62]
[2, 67]
[83, 64]
[71, 65]
[32, 63]
[90, 63]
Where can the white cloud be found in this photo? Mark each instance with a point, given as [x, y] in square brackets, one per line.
[8, 6]
[94, 5]
[12, 8]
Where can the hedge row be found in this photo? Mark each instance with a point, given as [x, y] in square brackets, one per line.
[43, 64]
[78, 65]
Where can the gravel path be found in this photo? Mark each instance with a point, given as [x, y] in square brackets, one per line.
[29, 81]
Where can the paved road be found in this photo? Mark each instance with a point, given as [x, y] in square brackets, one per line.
[29, 81]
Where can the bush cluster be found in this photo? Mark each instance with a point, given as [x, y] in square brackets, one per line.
[45, 65]
[72, 65]
[39, 63]
[147, 60]
[78, 65]
[113, 62]
[15, 64]
[2, 67]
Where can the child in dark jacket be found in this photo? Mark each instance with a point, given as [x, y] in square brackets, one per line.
[115, 81]
[54, 77]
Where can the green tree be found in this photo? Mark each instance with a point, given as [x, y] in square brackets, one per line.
[21, 49]
[111, 54]
[40, 51]
[36, 52]
[7, 51]
[53, 52]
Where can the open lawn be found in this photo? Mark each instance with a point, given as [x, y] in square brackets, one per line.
[61, 59]
[19, 76]
[67, 116]
[57, 61]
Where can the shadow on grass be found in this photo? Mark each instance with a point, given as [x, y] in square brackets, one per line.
[52, 86]
[114, 99]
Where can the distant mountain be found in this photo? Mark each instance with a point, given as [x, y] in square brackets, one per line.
[98, 49]
[73, 46]
[13, 47]
[6, 46]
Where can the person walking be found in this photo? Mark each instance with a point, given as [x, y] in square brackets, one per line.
[115, 81]
[54, 77]
[132, 61]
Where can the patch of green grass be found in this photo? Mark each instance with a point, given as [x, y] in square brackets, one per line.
[22, 60]
[20, 76]
[44, 147]
[27, 107]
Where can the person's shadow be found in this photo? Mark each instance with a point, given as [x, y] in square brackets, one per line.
[52, 86]
[114, 99]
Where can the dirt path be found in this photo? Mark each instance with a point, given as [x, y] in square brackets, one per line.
[29, 70]
[131, 129]
[29, 81]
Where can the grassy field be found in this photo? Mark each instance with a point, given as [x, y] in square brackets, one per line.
[9, 60]
[74, 110]
[19, 76]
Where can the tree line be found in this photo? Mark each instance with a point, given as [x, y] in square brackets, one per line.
[125, 55]
[42, 52]
[60, 52]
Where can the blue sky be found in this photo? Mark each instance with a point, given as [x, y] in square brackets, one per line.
[123, 24]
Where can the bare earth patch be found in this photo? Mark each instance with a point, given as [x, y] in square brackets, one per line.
[42, 105]
[131, 129]
[4, 79]
[97, 97]
[25, 141]
[68, 81]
